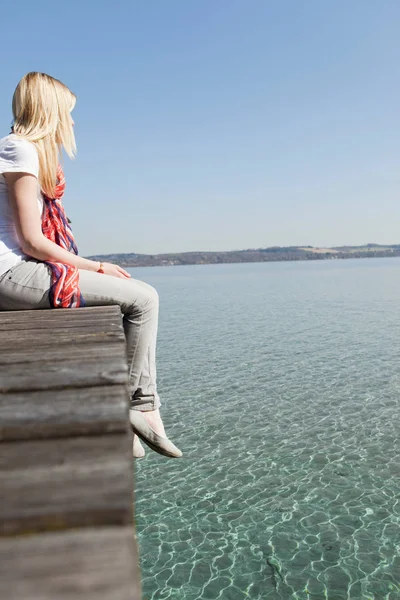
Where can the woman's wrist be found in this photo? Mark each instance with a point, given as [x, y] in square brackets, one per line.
[94, 265]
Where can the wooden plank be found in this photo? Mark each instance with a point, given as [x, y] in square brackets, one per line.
[62, 351]
[102, 321]
[48, 337]
[25, 319]
[63, 413]
[67, 374]
[57, 484]
[75, 565]
[91, 332]
[75, 349]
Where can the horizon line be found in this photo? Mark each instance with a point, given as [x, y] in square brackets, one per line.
[300, 247]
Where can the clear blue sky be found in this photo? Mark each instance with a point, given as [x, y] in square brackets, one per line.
[221, 124]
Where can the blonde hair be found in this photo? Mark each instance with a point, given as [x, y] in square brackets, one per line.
[41, 107]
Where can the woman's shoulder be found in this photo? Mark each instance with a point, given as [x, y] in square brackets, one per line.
[16, 143]
[17, 153]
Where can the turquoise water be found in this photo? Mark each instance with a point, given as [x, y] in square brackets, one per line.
[281, 384]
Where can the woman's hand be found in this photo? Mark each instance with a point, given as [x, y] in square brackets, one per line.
[115, 271]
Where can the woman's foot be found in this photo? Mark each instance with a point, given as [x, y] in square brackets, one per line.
[143, 429]
[154, 419]
[138, 450]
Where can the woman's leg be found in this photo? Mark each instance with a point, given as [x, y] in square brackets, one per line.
[139, 305]
[25, 286]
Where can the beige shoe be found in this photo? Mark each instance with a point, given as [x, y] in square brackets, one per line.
[159, 444]
[138, 450]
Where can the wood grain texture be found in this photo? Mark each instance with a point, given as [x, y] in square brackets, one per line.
[59, 349]
[51, 339]
[64, 412]
[64, 351]
[62, 375]
[58, 484]
[92, 564]
[106, 317]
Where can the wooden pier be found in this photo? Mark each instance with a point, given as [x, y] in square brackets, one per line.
[66, 468]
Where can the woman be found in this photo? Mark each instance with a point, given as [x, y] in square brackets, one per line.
[39, 264]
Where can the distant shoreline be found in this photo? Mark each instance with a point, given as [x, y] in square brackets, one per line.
[272, 254]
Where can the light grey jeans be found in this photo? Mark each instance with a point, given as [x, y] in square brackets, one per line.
[26, 286]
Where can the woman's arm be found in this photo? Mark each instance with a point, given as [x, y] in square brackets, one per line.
[22, 189]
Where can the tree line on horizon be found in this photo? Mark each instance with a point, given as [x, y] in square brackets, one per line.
[270, 254]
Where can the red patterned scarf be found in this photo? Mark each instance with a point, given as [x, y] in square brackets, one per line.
[64, 290]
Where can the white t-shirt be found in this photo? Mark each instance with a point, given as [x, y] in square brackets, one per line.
[17, 155]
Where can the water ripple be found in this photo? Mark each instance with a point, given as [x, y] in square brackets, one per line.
[280, 383]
